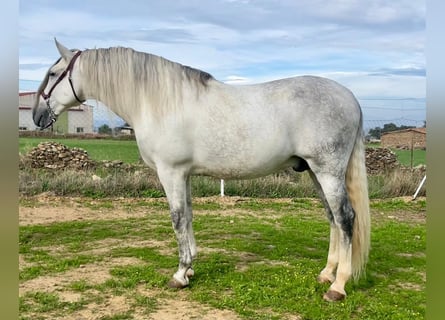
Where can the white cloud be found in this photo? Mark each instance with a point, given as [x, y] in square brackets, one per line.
[366, 85]
[254, 40]
[33, 74]
[236, 80]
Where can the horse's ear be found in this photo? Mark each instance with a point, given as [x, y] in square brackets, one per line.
[65, 53]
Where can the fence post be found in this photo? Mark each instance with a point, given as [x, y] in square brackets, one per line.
[222, 188]
[412, 149]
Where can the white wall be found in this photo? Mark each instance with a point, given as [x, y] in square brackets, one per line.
[25, 120]
[82, 119]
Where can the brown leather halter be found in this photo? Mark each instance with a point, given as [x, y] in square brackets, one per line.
[68, 70]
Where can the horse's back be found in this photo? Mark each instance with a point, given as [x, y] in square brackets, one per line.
[304, 108]
[242, 131]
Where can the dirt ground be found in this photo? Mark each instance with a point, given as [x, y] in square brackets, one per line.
[49, 209]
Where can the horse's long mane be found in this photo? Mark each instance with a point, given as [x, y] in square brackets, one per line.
[124, 77]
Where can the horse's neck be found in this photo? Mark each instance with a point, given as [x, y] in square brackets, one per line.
[132, 99]
[123, 106]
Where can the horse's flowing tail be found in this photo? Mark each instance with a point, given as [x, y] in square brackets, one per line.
[357, 187]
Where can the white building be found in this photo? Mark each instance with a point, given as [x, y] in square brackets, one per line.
[76, 120]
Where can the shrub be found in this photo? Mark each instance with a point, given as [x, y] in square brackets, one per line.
[139, 181]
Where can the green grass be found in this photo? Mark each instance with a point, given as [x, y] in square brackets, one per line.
[98, 149]
[48, 302]
[127, 150]
[143, 183]
[258, 258]
[404, 157]
[140, 181]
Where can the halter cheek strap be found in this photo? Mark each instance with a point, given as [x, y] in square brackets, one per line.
[69, 71]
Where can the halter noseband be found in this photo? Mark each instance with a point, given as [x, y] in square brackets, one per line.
[68, 70]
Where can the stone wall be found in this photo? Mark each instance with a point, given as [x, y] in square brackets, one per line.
[404, 138]
[380, 160]
[53, 155]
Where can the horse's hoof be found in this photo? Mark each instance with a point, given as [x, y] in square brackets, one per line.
[324, 279]
[190, 273]
[333, 296]
[175, 284]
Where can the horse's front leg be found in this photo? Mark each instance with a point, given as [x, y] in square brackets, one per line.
[174, 182]
[190, 233]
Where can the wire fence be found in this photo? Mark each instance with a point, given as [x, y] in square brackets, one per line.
[376, 112]
[94, 117]
[401, 112]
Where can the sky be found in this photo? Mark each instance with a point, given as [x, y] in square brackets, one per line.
[376, 48]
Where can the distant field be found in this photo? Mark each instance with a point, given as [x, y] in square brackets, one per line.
[127, 151]
[404, 157]
[100, 149]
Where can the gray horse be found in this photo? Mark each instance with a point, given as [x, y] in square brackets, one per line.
[186, 123]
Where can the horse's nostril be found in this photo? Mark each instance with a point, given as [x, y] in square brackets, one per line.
[38, 120]
[41, 119]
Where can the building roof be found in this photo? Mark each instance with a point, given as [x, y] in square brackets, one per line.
[418, 130]
[73, 109]
[26, 93]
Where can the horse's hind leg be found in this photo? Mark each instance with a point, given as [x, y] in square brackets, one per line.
[334, 190]
[327, 275]
[174, 182]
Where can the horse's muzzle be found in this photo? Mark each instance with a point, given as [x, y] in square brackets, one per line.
[43, 118]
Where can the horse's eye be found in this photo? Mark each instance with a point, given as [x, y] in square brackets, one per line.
[52, 74]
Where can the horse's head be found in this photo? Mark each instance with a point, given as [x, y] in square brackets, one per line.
[59, 90]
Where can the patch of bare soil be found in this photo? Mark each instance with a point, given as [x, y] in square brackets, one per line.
[92, 273]
[47, 209]
[173, 309]
[406, 216]
[50, 209]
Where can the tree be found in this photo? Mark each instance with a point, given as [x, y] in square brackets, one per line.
[387, 127]
[376, 132]
[105, 129]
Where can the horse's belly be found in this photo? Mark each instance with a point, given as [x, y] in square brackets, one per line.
[236, 168]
